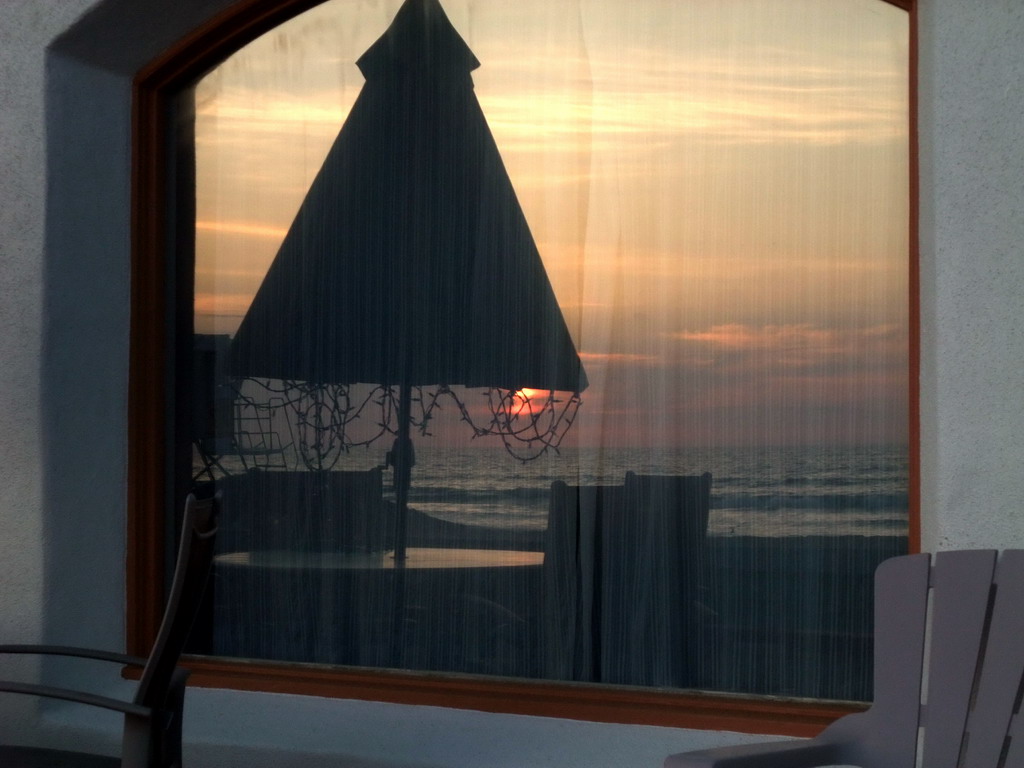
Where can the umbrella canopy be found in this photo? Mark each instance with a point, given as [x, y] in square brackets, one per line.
[410, 261]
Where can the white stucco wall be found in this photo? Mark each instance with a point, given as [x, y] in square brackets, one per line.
[63, 367]
[972, 259]
[25, 28]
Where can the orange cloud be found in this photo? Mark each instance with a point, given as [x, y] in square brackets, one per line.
[242, 228]
[615, 357]
[800, 345]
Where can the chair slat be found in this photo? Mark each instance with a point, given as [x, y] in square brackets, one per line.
[901, 599]
[560, 582]
[962, 582]
[1015, 754]
[1003, 666]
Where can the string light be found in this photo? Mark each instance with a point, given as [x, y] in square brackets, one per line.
[326, 421]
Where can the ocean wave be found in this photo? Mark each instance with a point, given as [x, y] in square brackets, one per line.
[824, 502]
[756, 502]
[487, 496]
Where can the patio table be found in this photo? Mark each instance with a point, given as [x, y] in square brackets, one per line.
[445, 609]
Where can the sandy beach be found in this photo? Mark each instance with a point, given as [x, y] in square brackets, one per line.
[784, 616]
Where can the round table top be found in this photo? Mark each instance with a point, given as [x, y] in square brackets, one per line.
[417, 558]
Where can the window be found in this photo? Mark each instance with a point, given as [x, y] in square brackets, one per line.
[677, 289]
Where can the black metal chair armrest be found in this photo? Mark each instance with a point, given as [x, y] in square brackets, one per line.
[72, 651]
[80, 697]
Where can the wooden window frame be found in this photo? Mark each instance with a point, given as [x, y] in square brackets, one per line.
[153, 92]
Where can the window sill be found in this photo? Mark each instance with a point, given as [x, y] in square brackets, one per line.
[701, 711]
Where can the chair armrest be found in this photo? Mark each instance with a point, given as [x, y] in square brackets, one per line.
[778, 754]
[82, 653]
[66, 694]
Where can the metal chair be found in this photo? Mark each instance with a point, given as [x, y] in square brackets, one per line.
[956, 622]
[152, 720]
[624, 565]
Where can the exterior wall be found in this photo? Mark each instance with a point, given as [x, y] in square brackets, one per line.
[63, 369]
[972, 230]
[25, 28]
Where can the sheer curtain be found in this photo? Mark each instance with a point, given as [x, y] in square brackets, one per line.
[717, 194]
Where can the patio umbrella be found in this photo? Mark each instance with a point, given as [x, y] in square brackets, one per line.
[410, 262]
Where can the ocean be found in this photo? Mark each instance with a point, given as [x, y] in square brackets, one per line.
[756, 491]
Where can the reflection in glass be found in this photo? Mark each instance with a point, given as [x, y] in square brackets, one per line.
[715, 194]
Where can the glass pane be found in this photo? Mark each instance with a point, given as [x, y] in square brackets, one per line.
[590, 363]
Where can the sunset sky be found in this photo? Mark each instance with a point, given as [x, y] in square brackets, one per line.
[718, 189]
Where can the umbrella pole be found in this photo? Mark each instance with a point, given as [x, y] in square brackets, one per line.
[403, 458]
